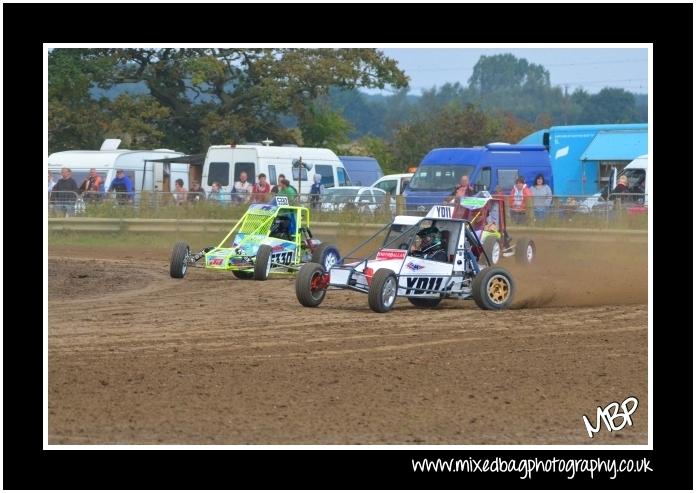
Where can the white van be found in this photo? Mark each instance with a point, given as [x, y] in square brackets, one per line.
[394, 184]
[224, 163]
[137, 165]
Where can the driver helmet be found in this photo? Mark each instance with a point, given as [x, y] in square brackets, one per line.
[281, 225]
[431, 239]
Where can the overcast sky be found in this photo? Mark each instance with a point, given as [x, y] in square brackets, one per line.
[590, 68]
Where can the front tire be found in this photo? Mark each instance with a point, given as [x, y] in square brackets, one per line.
[326, 255]
[525, 251]
[383, 288]
[303, 285]
[425, 302]
[491, 246]
[493, 288]
[178, 262]
[262, 265]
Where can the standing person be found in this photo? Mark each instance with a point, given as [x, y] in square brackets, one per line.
[215, 193]
[241, 191]
[316, 192]
[542, 197]
[463, 189]
[91, 186]
[620, 188]
[287, 190]
[51, 182]
[276, 188]
[196, 194]
[180, 192]
[64, 193]
[123, 187]
[260, 190]
[519, 200]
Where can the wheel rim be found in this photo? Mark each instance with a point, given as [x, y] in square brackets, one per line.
[498, 289]
[389, 292]
[316, 293]
[268, 267]
[330, 260]
[530, 252]
[184, 264]
[495, 253]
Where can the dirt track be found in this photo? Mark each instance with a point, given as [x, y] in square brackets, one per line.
[138, 357]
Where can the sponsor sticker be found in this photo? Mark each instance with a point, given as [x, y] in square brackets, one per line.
[414, 266]
[390, 253]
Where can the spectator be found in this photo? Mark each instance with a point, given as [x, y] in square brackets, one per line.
[542, 197]
[620, 188]
[215, 192]
[179, 192]
[91, 186]
[196, 194]
[51, 182]
[64, 193]
[463, 189]
[241, 190]
[260, 190]
[123, 187]
[519, 201]
[287, 190]
[276, 188]
[316, 192]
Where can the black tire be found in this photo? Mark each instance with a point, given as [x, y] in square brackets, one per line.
[178, 264]
[525, 251]
[491, 246]
[243, 274]
[493, 288]
[379, 298]
[326, 252]
[425, 302]
[303, 285]
[262, 265]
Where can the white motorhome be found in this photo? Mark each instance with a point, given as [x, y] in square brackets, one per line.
[137, 164]
[224, 164]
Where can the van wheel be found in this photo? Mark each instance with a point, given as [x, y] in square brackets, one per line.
[493, 288]
[308, 277]
[425, 302]
[326, 255]
[382, 294]
[525, 251]
[491, 246]
[178, 262]
[262, 265]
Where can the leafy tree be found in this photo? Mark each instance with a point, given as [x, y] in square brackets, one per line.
[323, 127]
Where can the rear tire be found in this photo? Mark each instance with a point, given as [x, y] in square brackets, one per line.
[492, 248]
[178, 262]
[326, 255]
[303, 285]
[525, 251]
[262, 265]
[425, 302]
[383, 288]
[493, 288]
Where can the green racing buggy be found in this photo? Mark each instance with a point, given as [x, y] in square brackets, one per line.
[269, 238]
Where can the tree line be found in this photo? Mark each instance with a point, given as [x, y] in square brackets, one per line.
[189, 99]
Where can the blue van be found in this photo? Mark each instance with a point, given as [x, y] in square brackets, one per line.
[487, 167]
[362, 170]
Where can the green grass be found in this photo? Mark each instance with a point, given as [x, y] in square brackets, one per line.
[144, 240]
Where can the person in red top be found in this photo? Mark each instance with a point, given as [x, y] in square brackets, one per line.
[260, 190]
[520, 197]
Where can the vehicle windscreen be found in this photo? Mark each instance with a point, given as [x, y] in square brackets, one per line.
[434, 177]
[400, 236]
[636, 178]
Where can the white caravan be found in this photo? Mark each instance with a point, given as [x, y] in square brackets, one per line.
[224, 164]
[137, 164]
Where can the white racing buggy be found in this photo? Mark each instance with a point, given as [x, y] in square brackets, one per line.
[424, 259]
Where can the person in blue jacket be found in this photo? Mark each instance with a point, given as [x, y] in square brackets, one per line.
[123, 187]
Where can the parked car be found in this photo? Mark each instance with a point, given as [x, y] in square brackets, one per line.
[361, 199]
[394, 184]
